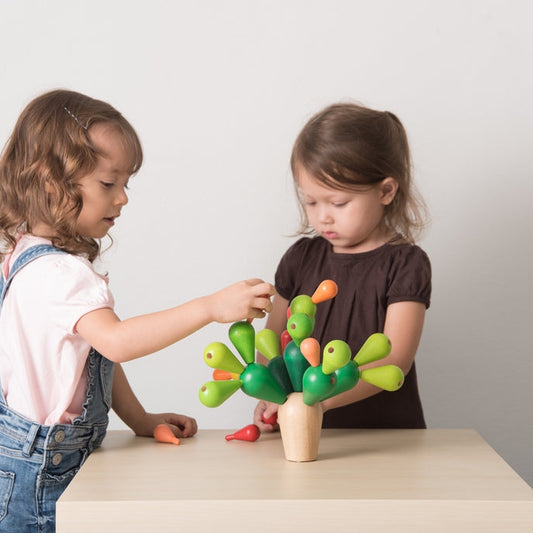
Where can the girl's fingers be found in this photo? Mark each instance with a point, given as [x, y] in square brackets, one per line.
[264, 304]
[261, 288]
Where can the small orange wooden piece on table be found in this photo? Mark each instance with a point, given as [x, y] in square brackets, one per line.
[163, 433]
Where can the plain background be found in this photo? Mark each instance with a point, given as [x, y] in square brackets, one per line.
[218, 91]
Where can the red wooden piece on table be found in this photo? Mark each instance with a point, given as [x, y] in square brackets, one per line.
[250, 433]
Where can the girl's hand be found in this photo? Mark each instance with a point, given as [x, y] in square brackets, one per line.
[265, 410]
[243, 300]
[124, 340]
[182, 426]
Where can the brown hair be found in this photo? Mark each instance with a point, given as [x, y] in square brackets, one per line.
[349, 146]
[47, 153]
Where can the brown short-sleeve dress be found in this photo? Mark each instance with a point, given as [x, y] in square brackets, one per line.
[368, 282]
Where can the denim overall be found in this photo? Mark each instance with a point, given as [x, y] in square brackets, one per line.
[38, 462]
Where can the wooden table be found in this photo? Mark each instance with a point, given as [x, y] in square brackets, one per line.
[364, 480]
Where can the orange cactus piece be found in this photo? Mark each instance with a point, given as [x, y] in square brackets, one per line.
[310, 349]
[326, 291]
[163, 433]
[223, 375]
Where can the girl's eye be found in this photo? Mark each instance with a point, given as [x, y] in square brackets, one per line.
[310, 203]
[339, 204]
[107, 184]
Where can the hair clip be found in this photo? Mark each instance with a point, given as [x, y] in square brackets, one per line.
[74, 117]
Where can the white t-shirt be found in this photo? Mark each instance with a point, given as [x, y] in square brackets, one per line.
[42, 357]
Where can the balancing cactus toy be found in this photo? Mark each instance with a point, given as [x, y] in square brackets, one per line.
[295, 363]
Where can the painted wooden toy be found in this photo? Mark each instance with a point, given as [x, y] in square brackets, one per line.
[248, 433]
[299, 375]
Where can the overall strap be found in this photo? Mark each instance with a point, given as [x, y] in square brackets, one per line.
[23, 259]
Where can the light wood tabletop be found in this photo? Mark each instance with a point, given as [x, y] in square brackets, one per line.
[363, 480]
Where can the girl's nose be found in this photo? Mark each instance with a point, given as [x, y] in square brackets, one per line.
[324, 214]
[121, 198]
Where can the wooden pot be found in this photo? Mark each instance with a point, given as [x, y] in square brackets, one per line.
[300, 426]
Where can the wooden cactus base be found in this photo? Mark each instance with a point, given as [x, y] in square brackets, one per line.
[300, 426]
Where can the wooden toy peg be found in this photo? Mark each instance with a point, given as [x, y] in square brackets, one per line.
[163, 433]
[242, 336]
[215, 393]
[249, 433]
[218, 355]
[376, 347]
[336, 355]
[325, 291]
[267, 343]
[310, 349]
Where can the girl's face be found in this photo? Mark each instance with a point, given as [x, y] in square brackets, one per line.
[104, 189]
[352, 221]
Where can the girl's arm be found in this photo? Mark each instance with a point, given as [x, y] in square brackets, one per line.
[132, 413]
[277, 322]
[124, 340]
[403, 326]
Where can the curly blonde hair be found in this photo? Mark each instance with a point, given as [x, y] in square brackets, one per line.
[349, 146]
[47, 153]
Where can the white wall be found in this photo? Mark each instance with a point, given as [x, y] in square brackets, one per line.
[218, 92]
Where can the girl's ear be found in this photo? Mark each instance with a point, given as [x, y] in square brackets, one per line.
[388, 189]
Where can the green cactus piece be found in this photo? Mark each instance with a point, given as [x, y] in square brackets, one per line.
[300, 326]
[388, 377]
[279, 371]
[296, 365]
[215, 393]
[242, 336]
[267, 342]
[347, 378]
[376, 347]
[317, 385]
[218, 355]
[257, 381]
[336, 354]
[303, 304]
